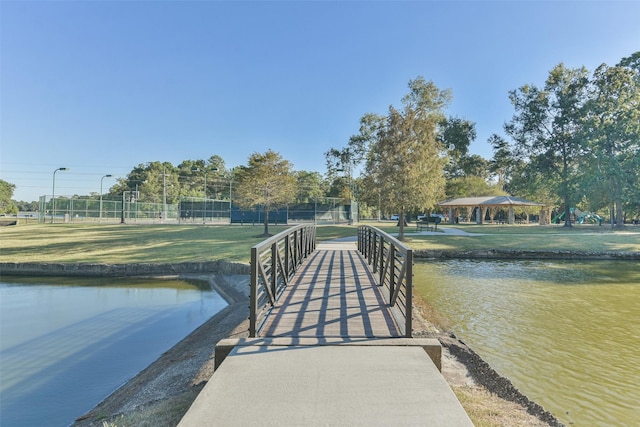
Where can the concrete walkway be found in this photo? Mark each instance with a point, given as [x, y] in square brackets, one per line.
[367, 383]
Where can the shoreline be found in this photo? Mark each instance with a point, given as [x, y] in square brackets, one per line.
[232, 268]
[160, 394]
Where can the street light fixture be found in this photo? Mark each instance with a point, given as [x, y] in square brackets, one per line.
[106, 176]
[53, 191]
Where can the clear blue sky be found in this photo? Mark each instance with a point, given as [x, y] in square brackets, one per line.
[102, 86]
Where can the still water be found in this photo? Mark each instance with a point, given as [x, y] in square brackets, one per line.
[65, 347]
[567, 334]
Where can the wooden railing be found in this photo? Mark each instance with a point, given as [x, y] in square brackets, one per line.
[393, 263]
[273, 264]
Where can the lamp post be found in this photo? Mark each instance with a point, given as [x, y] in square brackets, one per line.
[53, 191]
[164, 195]
[204, 211]
[106, 176]
[230, 192]
[347, 171]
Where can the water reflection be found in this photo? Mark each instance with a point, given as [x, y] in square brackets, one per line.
[65, 348]
[566, 333]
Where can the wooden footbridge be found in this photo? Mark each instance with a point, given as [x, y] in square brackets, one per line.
[330, 341]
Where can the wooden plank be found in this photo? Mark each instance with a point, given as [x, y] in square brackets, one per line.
[334, 294]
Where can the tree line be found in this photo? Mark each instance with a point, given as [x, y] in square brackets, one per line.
[573, 142]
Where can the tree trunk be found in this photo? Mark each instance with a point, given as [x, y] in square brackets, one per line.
[618, 203]
[567, 214]
[619, 213]
[266, 221]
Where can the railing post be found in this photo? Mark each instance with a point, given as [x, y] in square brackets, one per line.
[409, 292]
[365, 245]
[381, 263]
[392, 270]
[253, 298]
[374, 255]
[274, 268]
[287, 258]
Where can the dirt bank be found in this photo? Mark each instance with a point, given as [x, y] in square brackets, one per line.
[162, 393]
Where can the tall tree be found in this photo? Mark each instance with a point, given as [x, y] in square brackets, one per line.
[547, 127]
[613, 132]
[310, 185]
[267, 181]
[202, 178]
[6, 193]
[406, 158]
[456, 136]
[503, 159]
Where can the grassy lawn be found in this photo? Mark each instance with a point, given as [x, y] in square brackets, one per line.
[535, 238]
[117, 243]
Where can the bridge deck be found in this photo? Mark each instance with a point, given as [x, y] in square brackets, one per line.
[316, 364]
[334, 294]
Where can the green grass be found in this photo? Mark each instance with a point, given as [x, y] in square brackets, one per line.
[114, 244]
[535, 238]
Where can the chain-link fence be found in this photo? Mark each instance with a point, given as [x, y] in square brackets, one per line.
[70, 209]
[189, 210]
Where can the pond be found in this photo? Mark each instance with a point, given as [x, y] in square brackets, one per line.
[567, 334]
[68, 343]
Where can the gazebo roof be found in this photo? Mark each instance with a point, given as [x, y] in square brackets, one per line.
[489, 201]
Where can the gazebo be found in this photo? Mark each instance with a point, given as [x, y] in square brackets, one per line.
[488, 203]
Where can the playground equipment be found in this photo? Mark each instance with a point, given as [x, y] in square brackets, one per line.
[580, 217]
[590, 217]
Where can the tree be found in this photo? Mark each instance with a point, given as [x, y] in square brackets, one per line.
[267, 181]
[503, 161]
[157, 182]
[613, 132]
[310, 186]
[456, 136]
[27, 206]
[405, 157]
[7, 205]
[547, 127]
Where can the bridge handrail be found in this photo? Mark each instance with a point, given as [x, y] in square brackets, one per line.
[393, 262]
[273, 263]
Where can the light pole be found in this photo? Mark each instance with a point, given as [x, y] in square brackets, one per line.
[53, 191]
[204, 210]
[347, 171]
[106, 176]
[164, 194]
